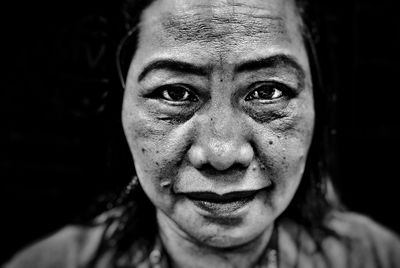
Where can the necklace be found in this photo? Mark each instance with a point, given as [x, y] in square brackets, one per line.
[269, 258]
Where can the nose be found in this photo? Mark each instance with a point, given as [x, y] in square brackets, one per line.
[221, 143]
[221, 157]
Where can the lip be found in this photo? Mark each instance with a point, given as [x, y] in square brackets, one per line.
[220, 205]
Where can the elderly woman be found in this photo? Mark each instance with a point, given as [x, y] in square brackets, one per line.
[223, 114]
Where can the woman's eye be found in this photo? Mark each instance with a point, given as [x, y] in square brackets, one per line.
[176, 93]
[267, 92]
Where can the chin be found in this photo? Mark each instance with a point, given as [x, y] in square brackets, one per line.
[233, 229]
[226, 233]
[232, 238]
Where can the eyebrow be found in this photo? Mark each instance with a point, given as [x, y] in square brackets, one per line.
[251, 65]
[173, 65]
[271, 62]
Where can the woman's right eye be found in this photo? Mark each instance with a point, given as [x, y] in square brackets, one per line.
[176, 93]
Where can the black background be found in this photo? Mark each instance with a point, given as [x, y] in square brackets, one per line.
[56, 130]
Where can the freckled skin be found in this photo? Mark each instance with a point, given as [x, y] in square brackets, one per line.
[222, 142]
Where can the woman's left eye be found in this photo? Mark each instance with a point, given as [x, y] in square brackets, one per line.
[267, 92]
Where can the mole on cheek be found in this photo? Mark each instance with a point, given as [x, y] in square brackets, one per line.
[262, 166]
[271, 142]
[143, 150]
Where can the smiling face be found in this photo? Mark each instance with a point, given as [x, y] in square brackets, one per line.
[218, 113]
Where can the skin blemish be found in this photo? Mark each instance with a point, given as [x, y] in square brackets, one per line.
[143, 150]
[271, 142]
[262, 166]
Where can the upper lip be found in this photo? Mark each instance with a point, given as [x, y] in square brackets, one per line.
[228, 197]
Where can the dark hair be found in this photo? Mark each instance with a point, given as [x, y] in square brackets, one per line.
[130, 219]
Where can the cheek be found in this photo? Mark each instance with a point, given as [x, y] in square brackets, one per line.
[157, 148]
[282, 148]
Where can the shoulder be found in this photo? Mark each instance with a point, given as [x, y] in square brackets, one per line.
[367, 241]
[360, 228]
[69, 247]
[354, 240]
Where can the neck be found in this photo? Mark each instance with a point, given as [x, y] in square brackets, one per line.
[185, 251]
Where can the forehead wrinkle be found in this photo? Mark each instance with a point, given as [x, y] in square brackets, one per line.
[212, 27]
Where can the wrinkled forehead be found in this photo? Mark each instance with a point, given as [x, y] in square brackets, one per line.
[222, 22]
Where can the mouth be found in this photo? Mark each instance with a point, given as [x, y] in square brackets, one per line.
[220, 205]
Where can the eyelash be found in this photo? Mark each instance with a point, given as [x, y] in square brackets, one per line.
[278, 91]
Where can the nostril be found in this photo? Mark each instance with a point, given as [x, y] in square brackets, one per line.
[210, 171]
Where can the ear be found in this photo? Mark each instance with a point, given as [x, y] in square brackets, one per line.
[124, 54]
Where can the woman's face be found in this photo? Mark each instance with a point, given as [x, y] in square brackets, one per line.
[218, 112]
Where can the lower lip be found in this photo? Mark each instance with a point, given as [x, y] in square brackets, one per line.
[222, 208]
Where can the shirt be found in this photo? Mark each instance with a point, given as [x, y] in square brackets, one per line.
[358, 241]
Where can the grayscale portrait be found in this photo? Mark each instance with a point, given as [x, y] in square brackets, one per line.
[198, 133]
